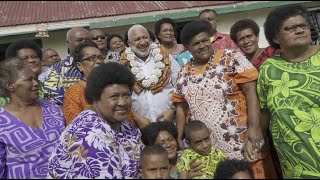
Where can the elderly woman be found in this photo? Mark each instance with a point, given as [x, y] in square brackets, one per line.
[164, 133]
[289, 92]
[100, 142]
[30, 128]
[30, 52]
[219, 89]
[86, 56]
[245, 33]
[166, 32]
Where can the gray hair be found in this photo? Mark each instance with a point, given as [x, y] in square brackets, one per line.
[135, 27]
[10, 69]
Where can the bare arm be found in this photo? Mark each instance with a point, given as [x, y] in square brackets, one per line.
[182, 107]
[254, 132]
[265, 119]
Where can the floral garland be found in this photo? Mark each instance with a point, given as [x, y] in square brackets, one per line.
[136, 68]
[160, 74]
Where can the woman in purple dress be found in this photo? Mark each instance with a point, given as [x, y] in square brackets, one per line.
[100, 142]
[29, 128]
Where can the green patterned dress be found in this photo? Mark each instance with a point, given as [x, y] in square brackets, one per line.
[291, 91]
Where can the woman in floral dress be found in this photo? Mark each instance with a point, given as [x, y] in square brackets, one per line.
[100, 142]
[289, 92]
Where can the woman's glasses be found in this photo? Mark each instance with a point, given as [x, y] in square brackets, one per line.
[295, 27]
[94, 58]
[97, 37]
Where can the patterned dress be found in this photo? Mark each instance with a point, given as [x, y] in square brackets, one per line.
[218, 101]
[211, 161]
[63, 74]
[89, 148]
[74, 102]
[24, 151]
[291, 91]
[266, 53]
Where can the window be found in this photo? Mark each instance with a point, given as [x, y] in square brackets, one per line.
[314, 17]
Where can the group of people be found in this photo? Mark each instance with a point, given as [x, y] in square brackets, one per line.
[143, 106]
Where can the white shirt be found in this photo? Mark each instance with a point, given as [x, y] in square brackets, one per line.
[151, 105]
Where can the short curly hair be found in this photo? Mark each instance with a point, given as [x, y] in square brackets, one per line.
[242, 25]
[106, 75]
[229, 167]
[158, 24]
[9, 69]
[13, 48]
[77, 53]
[151, 132]
[194, 28]
[276, 18]
[109, 38]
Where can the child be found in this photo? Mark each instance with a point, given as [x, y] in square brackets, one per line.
[154, 163]
[233, 169]
[198, 136]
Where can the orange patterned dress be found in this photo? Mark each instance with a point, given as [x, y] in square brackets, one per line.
[74, 102]
[215, 98]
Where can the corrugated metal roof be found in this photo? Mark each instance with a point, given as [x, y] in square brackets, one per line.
[32, 12]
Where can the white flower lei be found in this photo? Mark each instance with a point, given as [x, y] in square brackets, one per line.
[136, 68]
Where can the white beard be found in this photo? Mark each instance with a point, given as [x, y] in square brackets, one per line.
[139, 53]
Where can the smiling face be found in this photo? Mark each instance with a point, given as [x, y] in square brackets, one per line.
[166, 140]
[294, 32]
[166, 34]
[117, 45]
[201, 47]
[247, 41]
[26, 86]
[99, 38]
[200, 141]
[139, 41]
[114, 104]
[32, 58]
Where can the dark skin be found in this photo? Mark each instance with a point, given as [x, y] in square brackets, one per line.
[200, 47]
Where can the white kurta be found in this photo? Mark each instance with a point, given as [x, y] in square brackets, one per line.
[151, 105]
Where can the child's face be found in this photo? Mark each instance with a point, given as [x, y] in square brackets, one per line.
[200, 141]
[242, 175]
[155, 167]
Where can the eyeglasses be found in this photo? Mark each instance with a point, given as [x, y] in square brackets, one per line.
[294, 28]
[97, 37]
[94, 58]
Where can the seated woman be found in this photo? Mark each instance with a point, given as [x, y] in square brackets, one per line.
[32, 54]
[164, 133]
[86, 56]
[166, 32]
[100, 142]
[30, 128]
[289, 92]
[245, 33]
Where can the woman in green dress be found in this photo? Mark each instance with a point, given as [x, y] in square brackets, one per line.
[289, 92]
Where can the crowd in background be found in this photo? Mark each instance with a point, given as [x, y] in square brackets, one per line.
[216, 106]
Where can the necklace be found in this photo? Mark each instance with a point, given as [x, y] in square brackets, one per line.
[136, 67]
[197, 78]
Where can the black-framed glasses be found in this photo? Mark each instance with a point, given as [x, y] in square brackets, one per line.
[94, 58]
[97, 37]
[295, 27]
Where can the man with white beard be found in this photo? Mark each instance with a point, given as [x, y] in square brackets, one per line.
[156, 72]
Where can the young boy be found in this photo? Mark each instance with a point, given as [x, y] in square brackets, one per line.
[198, 136]
[233, 169]
[154, 163]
